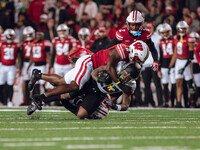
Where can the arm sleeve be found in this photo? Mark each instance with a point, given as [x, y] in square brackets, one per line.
[191, 55]
[113, 42]
[53, 57]
[197, 52]
[153, 50]
[161, 57]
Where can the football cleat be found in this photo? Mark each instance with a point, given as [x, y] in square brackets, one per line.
[36, 75]
[38, 102]
[31, 109]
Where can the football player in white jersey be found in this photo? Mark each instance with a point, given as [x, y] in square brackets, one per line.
[85, 102]
[75, 79]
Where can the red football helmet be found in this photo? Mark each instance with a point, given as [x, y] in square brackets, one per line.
[136, 18]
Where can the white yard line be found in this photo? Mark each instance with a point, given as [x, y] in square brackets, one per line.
[124, 122]
[54, 139]
[50, 111]
[160, 148]
[94, 146]
[93, 128]
[28, 144]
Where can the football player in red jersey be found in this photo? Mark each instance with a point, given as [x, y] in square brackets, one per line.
[84, 102]
[183, 54]
[29, 36]
[82, 45]
[1, 39]
[40, 56]
[63, 45]
[135, 31]
[197, 52]
[195, 66]
[78, 76]
[10, 54]
[167, 46]
[1, 35]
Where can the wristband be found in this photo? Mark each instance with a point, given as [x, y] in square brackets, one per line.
[119, 107]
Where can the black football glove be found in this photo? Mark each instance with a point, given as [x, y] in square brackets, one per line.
[125, 88]
[180, 71]
[104, 77]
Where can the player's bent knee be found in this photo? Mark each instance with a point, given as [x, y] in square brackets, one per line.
[82, 113]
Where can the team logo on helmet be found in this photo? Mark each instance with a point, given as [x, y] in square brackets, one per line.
[138, 52]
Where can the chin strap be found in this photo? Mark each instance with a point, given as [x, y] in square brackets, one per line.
[137, 34]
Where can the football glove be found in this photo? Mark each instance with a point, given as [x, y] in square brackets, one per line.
[111, 104]
[104, 77]
[180, 71]
[155, 66]
[125, 88]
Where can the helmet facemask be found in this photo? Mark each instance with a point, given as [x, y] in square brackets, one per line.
[135, 22]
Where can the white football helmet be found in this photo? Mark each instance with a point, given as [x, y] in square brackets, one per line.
[136, 18]
[9, 35]
[158, 28]
[196, 36]
[62, 30]
[182, 28]
[28, 33]
[102, 111]
[138, 52]
[84, 34]
[166, 28]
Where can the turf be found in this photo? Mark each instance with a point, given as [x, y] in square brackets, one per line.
[136, 129]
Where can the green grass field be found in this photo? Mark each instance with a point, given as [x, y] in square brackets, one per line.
[137, 129]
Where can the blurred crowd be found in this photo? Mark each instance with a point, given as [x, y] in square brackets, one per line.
[92, 25]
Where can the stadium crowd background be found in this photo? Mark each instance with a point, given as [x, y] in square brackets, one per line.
[103, 19]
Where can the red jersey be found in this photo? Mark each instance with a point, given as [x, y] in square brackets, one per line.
[38, 50]
[87, 45]
[9, 53]
[124, 36]
[62, 49]
[81, 52]
[182, 47]
[111, 33]
[26, 47]
[197, 52]
[102, 56]
[167, 47]
[2, 38]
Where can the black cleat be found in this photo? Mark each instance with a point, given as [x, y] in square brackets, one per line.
[178, 105]
[37, 102]
[193, 105]
[166, 105]
[36, 75]
[31, 109]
